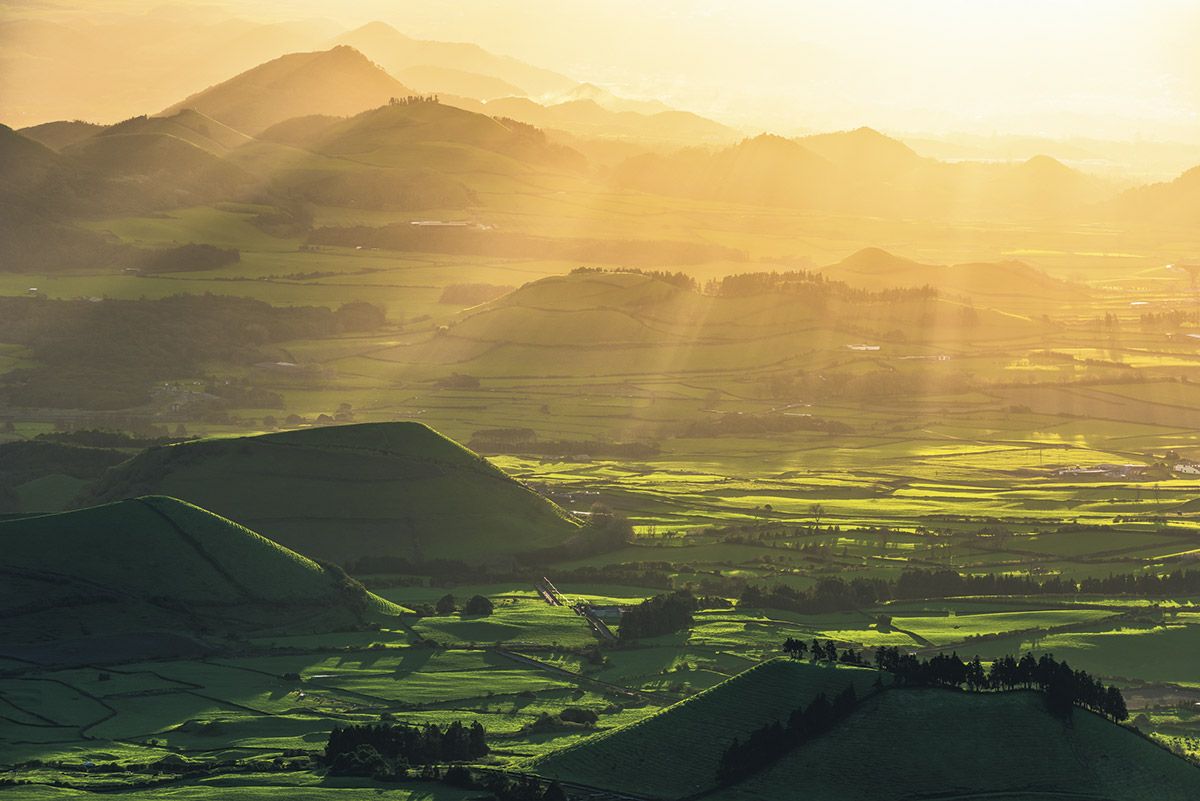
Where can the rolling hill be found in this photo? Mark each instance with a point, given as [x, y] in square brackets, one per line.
[872, 268]
[929, 743]
[338, 82]
[646, 758]
[154, 565]
[347, 492]
[62, 133]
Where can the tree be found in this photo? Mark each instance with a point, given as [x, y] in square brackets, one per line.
[446, 605]
[478, 605]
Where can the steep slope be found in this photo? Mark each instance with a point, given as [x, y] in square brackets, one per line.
[587, 117]
[338, 82]
[650, 757]
[397, 52]
[158, 564]
[348, 492]
[951, 745]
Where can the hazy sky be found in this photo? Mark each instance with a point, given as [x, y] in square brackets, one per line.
[1107, 68]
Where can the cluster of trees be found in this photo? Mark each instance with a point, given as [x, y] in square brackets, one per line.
[388, 750]
[662, 614]
[504, 787]
[187, 258]
[679, 279]
[769, 743]
[820, 652]
[478, 241]
[1064, 687]
[475, 605]
[812, 284]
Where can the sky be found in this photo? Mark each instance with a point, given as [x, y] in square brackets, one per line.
[1116, 69]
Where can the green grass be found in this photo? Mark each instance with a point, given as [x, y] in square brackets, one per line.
[675, 752]
[157, 563]
[347, 492]
[910, 743]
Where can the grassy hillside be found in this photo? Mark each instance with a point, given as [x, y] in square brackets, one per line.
[936, 743]
[159, 564]
[347, 492]
[340, 82]
[675, 752]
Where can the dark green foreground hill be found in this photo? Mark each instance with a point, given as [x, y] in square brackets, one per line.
[343, 493]
[897, 744]
[157, 575]
[674, 753]
[955, 746]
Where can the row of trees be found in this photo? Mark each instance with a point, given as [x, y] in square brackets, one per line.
[820, 652]
[1064, 687]
[835, 594]
[387, 750]
[770, 742]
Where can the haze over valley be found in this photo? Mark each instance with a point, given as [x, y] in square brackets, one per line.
[556, 401]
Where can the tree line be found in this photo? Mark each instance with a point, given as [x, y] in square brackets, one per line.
[770, 742]
[1064, 687]
[835, 594]
[387, 750]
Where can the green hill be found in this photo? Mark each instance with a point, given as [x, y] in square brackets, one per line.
[157, 564]
[339, 82]
[929, 743]
[61, 133]
[347, 492]
[675, 752]
[188, 125]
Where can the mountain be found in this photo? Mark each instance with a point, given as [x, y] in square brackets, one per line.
[337, 82]
[111, 67]
[863, 172]
[864, 150]
[348, 492]
[158, 568]
[1176, 201]
[447, 81]
[397, 53]
[873, 268]
[766, 170]
[62, 133]
[932, 743]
